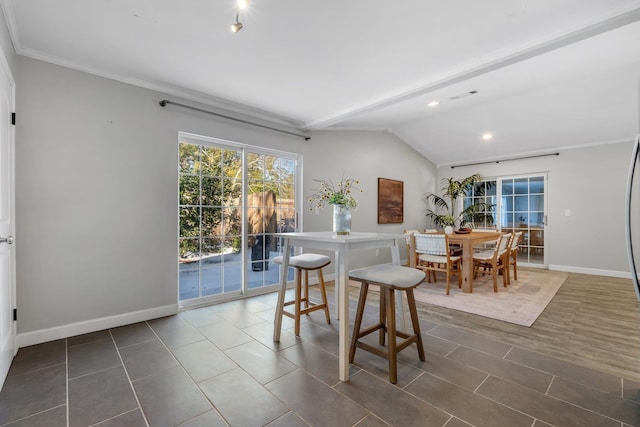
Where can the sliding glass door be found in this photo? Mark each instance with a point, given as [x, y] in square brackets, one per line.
[232, 198]
[519, 204]
[270, 208]
[523, 209]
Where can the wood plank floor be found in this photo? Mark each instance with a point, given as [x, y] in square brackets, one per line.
[593, 321]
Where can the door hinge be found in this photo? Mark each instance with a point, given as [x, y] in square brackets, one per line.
[13, 119]
[15, 314]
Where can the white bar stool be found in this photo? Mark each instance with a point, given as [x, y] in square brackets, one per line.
[306, 262]
[390, 278]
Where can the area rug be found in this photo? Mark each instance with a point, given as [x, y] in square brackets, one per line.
[520, 303]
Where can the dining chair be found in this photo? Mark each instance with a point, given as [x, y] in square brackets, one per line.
[410, 250]
[434, 254]
[494, 260]
[485, 245]
[304, 263]
[512, 257]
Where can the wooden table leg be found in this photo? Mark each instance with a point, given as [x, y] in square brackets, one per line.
[467, 267]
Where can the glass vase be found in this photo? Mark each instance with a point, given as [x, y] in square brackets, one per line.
[341, 219]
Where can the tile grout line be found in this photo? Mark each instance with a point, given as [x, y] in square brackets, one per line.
[26, 417]
[126, 371]
[213, 407]
[593, 411]
[505, 404]
[546, 392]
[507, 354]
[554, 398]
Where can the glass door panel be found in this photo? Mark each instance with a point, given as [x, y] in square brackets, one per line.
[523, 209]
[271, 209]
[231, 203]
[210, 221]
[518, 204]
[483, 192]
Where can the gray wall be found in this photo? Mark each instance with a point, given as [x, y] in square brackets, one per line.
[367, 156]
[589, 181]
[96, 195]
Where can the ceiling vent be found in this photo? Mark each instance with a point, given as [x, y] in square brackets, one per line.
[462, 95]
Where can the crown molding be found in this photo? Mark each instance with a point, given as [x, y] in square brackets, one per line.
[186, 94]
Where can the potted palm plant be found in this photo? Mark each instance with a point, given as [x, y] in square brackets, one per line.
[445, 208]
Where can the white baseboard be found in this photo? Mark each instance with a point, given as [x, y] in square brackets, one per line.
[93, 325]
[591, 271]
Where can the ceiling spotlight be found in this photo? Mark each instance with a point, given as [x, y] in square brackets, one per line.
[433, 104]
[243, 4]
[236, 26]
[487, 136]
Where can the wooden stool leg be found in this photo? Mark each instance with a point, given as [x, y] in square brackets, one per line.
[297, 301]
[323, 291]
[391, 329]
[364, 287]
[411, 301]
[306, 289]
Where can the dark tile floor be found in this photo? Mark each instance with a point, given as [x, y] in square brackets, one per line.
[218, 366]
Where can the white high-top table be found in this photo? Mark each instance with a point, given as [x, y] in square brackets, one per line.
[341, 245]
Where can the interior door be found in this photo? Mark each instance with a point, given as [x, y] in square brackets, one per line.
[7, 226]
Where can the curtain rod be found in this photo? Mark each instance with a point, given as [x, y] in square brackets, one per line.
[164, 103]
[506, 160]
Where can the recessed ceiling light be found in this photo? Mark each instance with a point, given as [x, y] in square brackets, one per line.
[243, 4]
[433, 104]
[487, 136]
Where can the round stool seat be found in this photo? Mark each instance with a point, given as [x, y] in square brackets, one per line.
[303, 264]
[306, 261]
[395, 276]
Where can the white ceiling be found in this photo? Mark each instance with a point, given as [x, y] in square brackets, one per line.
[549, 73]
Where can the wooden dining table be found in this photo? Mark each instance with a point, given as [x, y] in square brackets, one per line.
[468, 241]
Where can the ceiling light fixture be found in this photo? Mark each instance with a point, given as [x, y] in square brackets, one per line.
[433, 104]
[487, 136]
[242, 5]
[236, 26]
